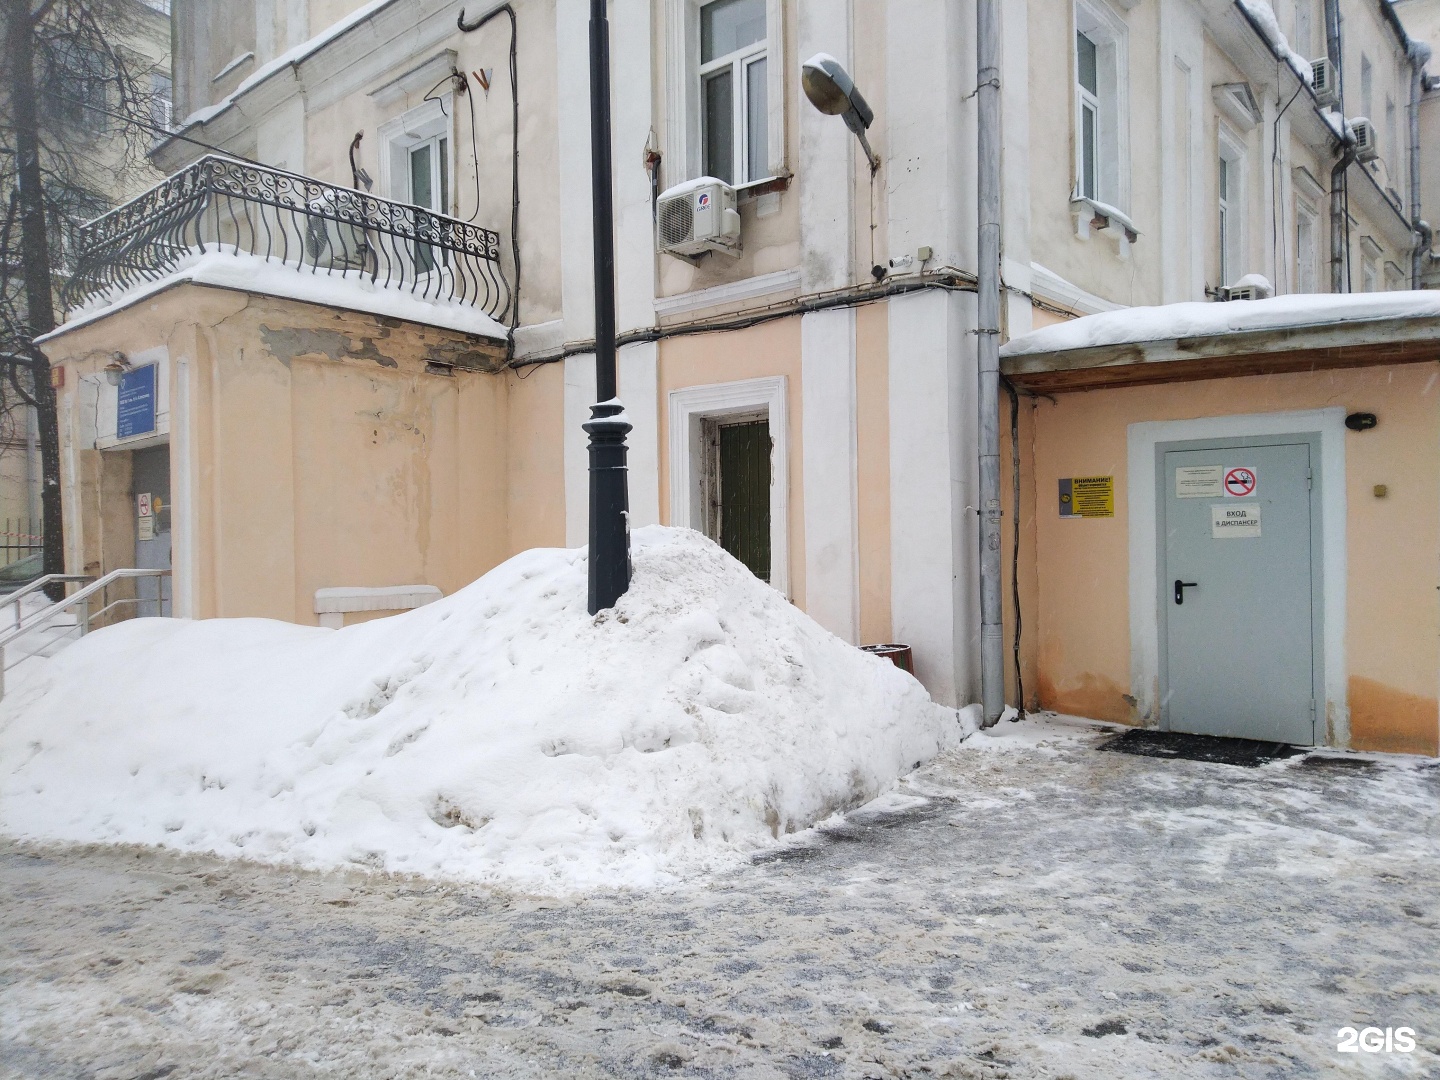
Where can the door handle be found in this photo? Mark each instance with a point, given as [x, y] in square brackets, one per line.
[1181, 586]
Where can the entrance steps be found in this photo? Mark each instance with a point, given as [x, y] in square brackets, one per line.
[38, 627]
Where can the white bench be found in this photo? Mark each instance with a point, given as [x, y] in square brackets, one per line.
[332, 604]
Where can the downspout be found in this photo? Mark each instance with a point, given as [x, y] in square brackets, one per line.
[1418, 54]
[1339, 219]
[992, 646]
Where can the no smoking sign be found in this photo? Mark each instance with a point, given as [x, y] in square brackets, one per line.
[1240, 482]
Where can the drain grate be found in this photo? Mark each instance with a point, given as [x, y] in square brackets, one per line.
[1211, 748]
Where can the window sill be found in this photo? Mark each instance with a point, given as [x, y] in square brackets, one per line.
[755, 188]
[1092, 215]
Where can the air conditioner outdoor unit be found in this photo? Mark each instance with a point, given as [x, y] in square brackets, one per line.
[698, 216]
[1324, 81]
[1249, 287]
[1240, 292]
[1365, 149]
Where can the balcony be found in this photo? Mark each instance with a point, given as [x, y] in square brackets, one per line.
[222, 205]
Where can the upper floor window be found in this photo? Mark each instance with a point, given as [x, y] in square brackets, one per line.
[1087, 88]
[162, 106]
[1227, 223]
[734, 90]
[1306, 230]
[1230, 189]
[79, 83]
[1101, 132]
[724, 90]
[1302, 40]
[415, 169]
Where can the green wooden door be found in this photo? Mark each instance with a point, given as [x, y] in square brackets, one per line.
[745, 494]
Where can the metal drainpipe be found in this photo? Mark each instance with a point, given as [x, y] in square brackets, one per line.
[1339, 226]
[992, 646]
[1418, 55]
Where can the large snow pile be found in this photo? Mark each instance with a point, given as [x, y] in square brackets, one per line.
[1200, 319]
[500, 734]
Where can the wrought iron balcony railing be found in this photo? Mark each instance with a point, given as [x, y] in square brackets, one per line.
[219, 204]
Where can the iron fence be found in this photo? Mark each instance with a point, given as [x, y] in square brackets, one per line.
[23, 536]
[219, 204]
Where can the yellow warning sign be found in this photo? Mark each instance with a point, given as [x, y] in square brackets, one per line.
[1087, 496]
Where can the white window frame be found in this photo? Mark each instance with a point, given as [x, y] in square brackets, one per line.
[1108, 30]
[1087, 106]
[684, 143]
[690, 409]
[737, 63]
[1391, 150]
[1303, 35]
[1367, 88]
[428, 122]
[1307, 273]
[1231, 233]
[1371, 279]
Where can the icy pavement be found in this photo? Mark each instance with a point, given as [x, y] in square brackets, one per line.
[1046, 911]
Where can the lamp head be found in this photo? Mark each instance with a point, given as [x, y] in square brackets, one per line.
[831, 90]
[118, 365]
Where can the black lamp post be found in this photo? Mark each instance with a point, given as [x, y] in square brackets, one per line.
[609, 490]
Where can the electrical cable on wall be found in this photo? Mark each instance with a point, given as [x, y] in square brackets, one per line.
[466, 28]
[851, 296]
[1277, 218]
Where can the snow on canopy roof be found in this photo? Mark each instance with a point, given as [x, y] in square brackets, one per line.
[1137, 324]
[350, 290]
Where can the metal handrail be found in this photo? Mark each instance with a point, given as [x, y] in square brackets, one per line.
[48, 616]
[35, 586]
[225, 205]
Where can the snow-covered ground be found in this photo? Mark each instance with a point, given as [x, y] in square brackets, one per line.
[1025, 908]
[500, 734]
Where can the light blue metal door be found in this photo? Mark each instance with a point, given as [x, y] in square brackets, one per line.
[150, 477]
[1238, 596]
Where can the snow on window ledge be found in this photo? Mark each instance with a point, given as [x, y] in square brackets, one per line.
[1091, 215]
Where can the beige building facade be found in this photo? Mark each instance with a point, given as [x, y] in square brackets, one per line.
[808, 397]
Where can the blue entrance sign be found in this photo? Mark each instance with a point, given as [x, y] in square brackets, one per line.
[135, 413]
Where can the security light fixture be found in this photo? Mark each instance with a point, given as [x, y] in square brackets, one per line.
[117, 366]
[831, 90]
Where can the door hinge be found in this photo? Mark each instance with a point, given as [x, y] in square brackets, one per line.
[1312, 706]
[1308, 478]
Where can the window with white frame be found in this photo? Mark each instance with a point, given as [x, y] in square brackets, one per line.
[1302, 41]
[734, 90]
[1370, 255]
[1227, 223]
[1230, 191]
[416, 168]
[1101, 131]
[1367, 88]
[724, 90]
[1306, 253]
[1394, 278]
[1087, 122]
[1391, 150]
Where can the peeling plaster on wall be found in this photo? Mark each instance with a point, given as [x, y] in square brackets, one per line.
[286, 343]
